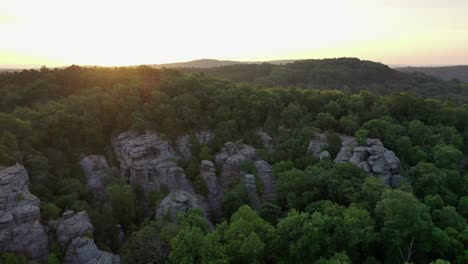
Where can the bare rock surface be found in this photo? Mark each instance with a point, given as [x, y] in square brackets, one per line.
[83, 250]
[95, 168]
[265, 174]
[230, 159]
[215, 192]
[150, 161]
[179, 202]
[74, 232]
[372, 157]
[266, 140]
[250, 185]
[21, 231]
[71, 226]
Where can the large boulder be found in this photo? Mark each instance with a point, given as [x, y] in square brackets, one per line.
[183, 147]
[249, 181]
[204, 136]
[74, 232]
[95, 168]
[150, 161]
[265, 174]
[372, 157]
[266, 140]
[318, 145]
[230, 159]
[71, 226]
[179, 202]
[83, 250]
[21, 231]
[215, 192]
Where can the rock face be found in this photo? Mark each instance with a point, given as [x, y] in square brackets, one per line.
[183, 147]
[266, 140]
[149, 161]
[230, 158]
[95, 168]
[179, 202]
[71, 226]
[215, 192]
[265, 174]
[249, 182]
[83, 250]
[372, 157]
[204, 137]
[317, 145]
[74, 232]
[21, 231]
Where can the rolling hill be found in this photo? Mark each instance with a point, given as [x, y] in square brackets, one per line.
[446, 73]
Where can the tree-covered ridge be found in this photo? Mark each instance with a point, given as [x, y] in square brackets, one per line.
[347, 74]
[324, 212]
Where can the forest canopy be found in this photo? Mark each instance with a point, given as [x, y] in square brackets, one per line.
[324, 212]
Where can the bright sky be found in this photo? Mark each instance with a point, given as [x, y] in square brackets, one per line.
[99, 32]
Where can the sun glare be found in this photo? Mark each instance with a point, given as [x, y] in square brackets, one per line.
[147, 32]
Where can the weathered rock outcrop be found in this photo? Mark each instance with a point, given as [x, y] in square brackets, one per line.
[215, 192]
[183, 147]
[265, 174]
[149, 161]
[21, 231]
[372, 157]
[204, 136]
[83, 250]
[318, 145]
[250, 185]
[230, 158]
[71, 226]
[179, 202]
[266, 140]
[74, 233]
[95, 168]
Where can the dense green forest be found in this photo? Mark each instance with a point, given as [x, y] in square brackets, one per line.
[324, 212]
[346, 74]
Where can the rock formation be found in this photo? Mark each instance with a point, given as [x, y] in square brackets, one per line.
[250, 185]
[179, 202]
[183, 147]
[74, 233]
[266, 140]
[230, 158]
[150, 161]
[265, 174]
[95, 168]
[83, 250]
[21, 231]
[318, 145]
[215, 192]
[204, 136]
[372, 157]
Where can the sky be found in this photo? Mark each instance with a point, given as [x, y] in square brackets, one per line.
[133, 32]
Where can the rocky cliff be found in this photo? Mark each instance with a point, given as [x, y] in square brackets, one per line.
[179, 202]
[150, 161]
[95, 168]
[74, 232]
[215, 192]
[21, 230]
[372, 156]
[231, 159]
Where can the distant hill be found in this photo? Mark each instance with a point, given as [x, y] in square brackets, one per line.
[347, 74]
[211, 63]
[445, 73]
